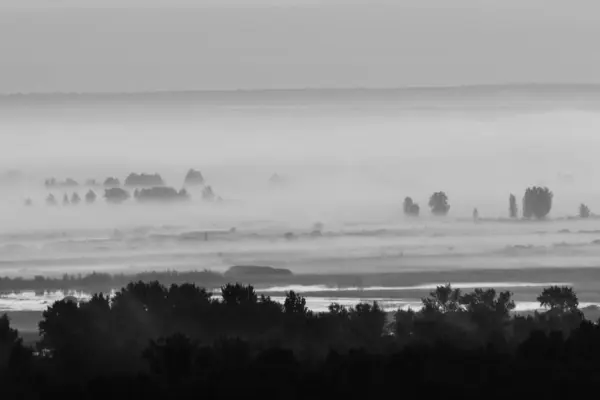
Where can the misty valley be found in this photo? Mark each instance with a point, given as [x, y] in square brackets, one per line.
[393, 261]
[158, 235]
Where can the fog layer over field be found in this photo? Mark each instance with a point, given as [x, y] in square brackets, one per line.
[347, 160]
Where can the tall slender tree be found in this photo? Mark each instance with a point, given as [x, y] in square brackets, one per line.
[512, 206]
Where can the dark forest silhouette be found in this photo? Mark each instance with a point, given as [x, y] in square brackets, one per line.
[154, 341]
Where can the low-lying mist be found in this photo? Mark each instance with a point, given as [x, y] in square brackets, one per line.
[344, 167]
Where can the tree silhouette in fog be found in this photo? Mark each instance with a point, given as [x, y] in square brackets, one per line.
[51, 200]
[144, 180]
[112, 182]
[193, 178]
[116, 195]
[438, 203]
[411, 208]
[584, 211]
[537, 202]
[90, 197]
[75, 199]
[513, 210]
[208, 194]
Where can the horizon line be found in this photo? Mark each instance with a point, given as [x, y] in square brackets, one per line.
[302, 89]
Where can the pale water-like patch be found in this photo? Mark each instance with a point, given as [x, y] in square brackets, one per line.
[429, 286]
[31, 301]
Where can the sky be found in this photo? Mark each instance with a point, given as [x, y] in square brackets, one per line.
[160, 45]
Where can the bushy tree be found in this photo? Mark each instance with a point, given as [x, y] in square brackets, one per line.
[90, 197]
[112, 182]
[443, 299]
[559, 298]
[488, 301]
[294, 304]
[513, 210]
[411, 208]
[116, 195]
[66, 201]
[584, 211]
[238, 294]
[438, 202]
[537, 202]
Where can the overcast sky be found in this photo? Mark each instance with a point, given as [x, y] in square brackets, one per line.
[110, 45]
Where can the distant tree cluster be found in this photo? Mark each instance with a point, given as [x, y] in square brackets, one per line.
[160, 194]
[53, 183]
[144, 180]
[438, 204]
[104, 282]
[148, 188]
[116, 195]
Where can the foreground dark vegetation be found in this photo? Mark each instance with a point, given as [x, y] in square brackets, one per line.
[154, 341]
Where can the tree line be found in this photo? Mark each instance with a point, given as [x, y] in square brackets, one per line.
[150, 340]
[148, 188]
[536, 204]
